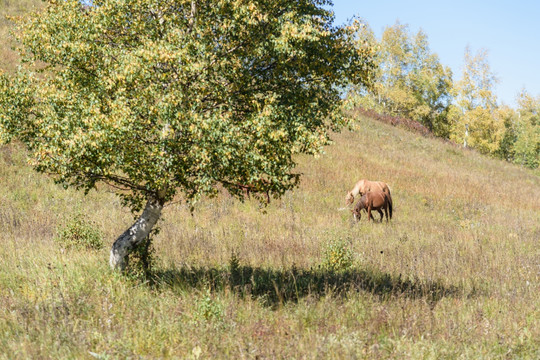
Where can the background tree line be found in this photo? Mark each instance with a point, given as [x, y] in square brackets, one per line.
[411, 82]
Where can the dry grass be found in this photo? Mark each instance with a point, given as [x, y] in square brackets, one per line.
[8, 57]
[455, 274]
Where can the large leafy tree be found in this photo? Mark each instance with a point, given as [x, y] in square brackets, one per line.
[158, 97]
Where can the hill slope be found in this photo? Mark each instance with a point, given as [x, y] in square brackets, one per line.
[456, 272]
[8, 58]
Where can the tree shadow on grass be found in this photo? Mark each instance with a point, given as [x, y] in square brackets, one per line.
[276, 287]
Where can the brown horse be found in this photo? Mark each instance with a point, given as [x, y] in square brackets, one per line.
[364, 186]
[373, 200]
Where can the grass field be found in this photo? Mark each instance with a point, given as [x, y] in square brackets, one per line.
[455, 274]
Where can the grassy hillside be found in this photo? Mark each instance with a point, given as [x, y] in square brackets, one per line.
[8, 57]
[455, 273]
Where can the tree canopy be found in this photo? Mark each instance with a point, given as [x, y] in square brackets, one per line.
[164, 96]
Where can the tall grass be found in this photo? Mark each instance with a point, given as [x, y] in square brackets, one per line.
[11, 8]
[455, 273]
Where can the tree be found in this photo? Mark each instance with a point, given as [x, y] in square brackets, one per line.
[506, 146]
[156, 98]
[410, 81]
[476, 106]
[527, 133]
[431, 85]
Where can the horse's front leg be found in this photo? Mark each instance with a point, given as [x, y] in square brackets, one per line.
[369, 213]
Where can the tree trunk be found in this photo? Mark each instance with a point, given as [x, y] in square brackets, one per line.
[133, 236]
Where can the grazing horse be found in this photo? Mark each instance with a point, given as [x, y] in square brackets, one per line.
[364, 186]
[373, 200]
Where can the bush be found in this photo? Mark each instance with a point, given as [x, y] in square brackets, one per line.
[337, 256]
[79, 233]
[209, 309]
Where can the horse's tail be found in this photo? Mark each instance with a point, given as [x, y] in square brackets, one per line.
[390, 205]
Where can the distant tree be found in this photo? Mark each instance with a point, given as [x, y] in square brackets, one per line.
[476, 105]
[410, 80]
[476, 87]
[509, 117]
[527, 132]
[361, 94]
[157, 98]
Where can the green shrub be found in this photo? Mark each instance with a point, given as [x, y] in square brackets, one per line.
[209, 309]
[337, 256]
[79, 233]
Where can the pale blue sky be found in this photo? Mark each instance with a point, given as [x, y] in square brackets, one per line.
[509, 30]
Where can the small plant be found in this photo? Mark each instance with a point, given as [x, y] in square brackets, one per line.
[79, 233]
[208, 309]
[337, 256]
[234, 268]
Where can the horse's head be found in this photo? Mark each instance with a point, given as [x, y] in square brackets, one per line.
[357, 210]
[349, 199]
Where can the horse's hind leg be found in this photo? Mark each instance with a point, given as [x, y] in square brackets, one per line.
[380, 213]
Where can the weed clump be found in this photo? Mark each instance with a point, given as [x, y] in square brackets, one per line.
[209, 309]
[79, 233]
[337, 256]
